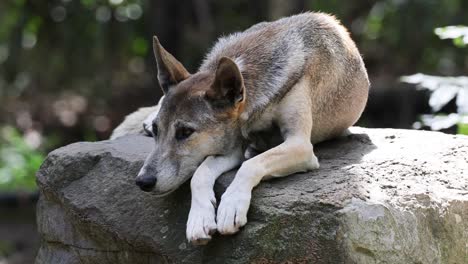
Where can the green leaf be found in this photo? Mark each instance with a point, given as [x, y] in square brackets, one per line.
[88, 3]
[459, 43]
[462, 128]
[139, 46]
[33, 25]
[459, 34]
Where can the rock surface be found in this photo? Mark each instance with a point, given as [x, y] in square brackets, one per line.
[380, 196]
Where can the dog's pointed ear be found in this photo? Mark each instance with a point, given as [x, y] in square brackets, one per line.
[170, 70]
[228, 88]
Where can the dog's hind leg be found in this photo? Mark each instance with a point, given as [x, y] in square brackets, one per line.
[138, 122]
[202, 218]
[295, 154]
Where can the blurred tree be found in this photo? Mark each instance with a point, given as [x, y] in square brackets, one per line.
[71, 69]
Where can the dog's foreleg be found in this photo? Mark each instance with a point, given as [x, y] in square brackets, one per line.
[295, 154]
[202, 218]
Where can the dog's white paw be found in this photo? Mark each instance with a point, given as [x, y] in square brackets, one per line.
[232, 211]
[314, 163]
[201, 223]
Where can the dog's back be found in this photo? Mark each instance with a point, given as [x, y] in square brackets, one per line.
[301, 76]
[274, 56]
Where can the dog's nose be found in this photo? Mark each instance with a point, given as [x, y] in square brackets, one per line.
[146, 183]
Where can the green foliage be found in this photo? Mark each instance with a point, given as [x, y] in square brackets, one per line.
[445, 89]
[463, 128]
[101, 50]
[140, 46]
[6, 248]
[18, 161]
[459, 34]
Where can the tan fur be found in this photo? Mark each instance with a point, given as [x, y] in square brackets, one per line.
[302, 74]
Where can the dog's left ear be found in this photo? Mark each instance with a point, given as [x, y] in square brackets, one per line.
[228, 88]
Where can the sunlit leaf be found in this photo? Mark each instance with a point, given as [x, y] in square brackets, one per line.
[462, 101]
[459, 42]
[463, 126]
[441, 96]
[459, 33]
[444, 89]
[439, 122]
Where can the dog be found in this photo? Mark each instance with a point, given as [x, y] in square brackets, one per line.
[260, 100]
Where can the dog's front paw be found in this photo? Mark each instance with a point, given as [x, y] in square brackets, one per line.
[232, 211]
[201, 224]
[314, 163]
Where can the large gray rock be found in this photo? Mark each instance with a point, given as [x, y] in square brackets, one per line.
[380, 196]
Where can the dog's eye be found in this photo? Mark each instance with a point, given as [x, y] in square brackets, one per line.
[154, 129]
[183, 133]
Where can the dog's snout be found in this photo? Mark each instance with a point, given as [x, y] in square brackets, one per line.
[146, 183]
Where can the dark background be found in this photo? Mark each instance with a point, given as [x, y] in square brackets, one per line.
[70, 70]
[74, 68]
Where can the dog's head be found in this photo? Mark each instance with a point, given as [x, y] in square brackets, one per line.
[197, 118]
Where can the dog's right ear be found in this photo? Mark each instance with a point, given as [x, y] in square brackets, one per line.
[170, 70]
[227, 90]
